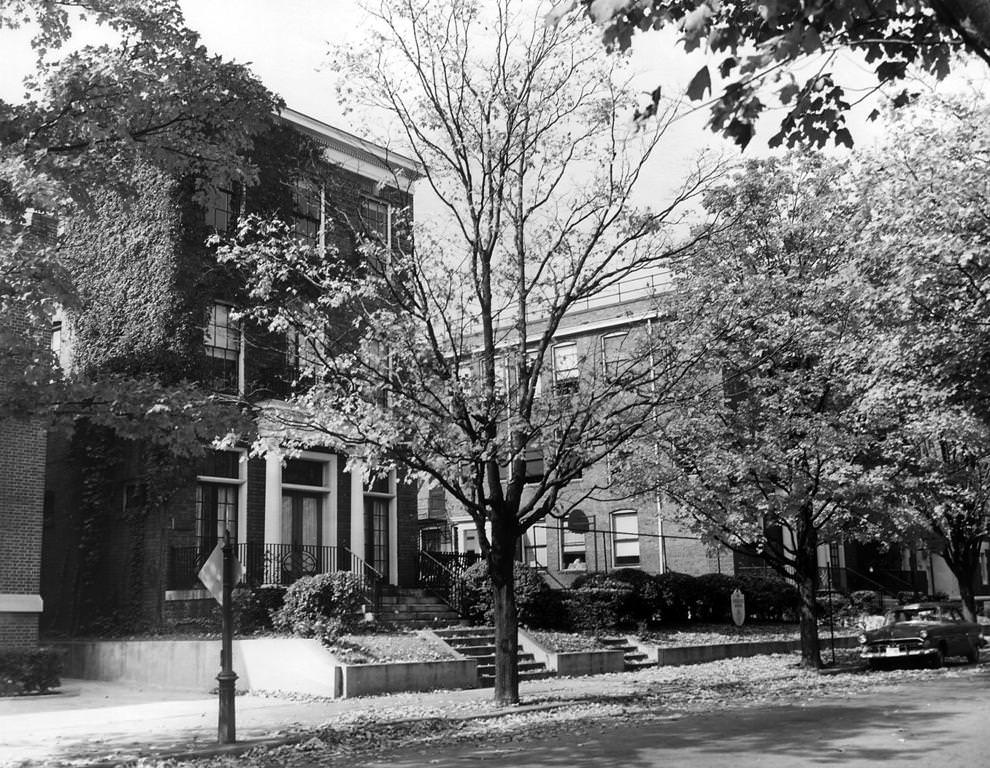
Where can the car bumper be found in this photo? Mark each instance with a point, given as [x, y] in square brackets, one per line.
[899, 653]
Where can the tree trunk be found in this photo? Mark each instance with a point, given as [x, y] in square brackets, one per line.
[501, 562]
[810, 648]
[972, 19]
[966, 569]
[806, 573]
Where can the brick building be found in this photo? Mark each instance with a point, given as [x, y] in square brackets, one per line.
[127, 529]
[623, 532]
[22, 464]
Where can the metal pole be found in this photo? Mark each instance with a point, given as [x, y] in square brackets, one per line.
[226, 730]
[831, 612]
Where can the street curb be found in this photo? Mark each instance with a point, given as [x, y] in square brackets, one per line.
[240, 747]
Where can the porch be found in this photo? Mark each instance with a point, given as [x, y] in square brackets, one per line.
[275, 564]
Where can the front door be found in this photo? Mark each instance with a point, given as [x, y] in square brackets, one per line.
[376, 534]
[302, 535]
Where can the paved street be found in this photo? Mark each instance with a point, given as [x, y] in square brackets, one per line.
[939, 723]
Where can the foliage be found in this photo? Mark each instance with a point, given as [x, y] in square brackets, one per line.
[923, 253]
[771, 451]
[643, 603]
[521, 131]
[712, 601]
[28, 670]
[255, 608]
[768, 598]
[758, 43]
[538, 606]
[598, 609]
[322, 606]
[677, 595]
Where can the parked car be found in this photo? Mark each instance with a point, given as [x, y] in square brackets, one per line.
[922, 631]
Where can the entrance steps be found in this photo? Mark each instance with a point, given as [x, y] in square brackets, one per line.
[479, 643]
[409, 608]
[632, 656]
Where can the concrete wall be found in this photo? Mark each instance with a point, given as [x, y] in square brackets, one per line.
[701, 653]
[573, 663]
[264, 664]
[367, 679]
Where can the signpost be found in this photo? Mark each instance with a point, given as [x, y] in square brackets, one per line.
[219, 575]
[738, 602]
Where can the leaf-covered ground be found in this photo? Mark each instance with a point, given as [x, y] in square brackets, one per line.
[394, 646]
[567, 641]
[648, 694]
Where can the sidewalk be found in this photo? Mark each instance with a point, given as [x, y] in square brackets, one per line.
[89, 722]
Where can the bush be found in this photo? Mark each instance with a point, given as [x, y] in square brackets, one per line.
[676, 596]
[643, 604]
[599, 608]
[255, 608]
[323, 606]
[712, 597]
[769, 598]
[537, 605]
[28, 670]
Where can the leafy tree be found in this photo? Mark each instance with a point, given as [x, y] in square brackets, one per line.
[923, 253]
[757, 43]
[149, 96]
[445, 368]
[772, 454]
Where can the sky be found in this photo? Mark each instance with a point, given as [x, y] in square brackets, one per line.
[286, 44]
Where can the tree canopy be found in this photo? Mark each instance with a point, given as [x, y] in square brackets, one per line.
[150, 95]
[756, 45]
[448, 368]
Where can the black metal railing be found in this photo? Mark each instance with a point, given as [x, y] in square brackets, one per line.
[891, 583]
[440, 573]
[276, 564]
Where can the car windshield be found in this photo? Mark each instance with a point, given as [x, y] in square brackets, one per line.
[911, 614]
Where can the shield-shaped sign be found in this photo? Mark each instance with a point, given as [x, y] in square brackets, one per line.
[738, 603]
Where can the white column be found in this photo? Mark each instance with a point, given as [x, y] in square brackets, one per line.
[273, 499]
[357, 508]
[330, 510]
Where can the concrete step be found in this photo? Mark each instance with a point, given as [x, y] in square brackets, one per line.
[471, 632]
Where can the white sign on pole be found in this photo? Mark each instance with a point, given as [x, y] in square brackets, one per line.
[738, 603]
[211, 574]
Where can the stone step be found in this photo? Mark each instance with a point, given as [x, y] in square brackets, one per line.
[471, 631]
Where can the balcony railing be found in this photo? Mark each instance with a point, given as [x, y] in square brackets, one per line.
[276, 564]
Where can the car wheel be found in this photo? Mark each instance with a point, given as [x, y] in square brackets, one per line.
[938, 658]
[875, 665]
[973, 653]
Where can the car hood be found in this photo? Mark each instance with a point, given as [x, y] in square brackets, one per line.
[903, 629]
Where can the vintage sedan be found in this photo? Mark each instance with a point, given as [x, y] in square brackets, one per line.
[922, 631]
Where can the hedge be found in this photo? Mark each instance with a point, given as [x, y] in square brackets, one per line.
[323, 606]
[29, 670]
[537, 605]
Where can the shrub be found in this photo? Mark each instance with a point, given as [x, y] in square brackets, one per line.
[26, 670]
[643, 604]
[537, 605]
[323, 606]
[255, 608]
[769, 598]
[712, 597]
[599, 608]
[676, 596]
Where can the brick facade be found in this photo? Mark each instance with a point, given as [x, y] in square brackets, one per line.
[137, 569]
[22, 467]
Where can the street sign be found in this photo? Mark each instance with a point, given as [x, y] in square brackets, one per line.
[738, 603]
[211, 574]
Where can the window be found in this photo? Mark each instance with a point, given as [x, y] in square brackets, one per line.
[533, 456]
[217, 498]
[307, 211]
[566, 375]
[625, 537]
[535, 547]
[572, 550]
[304, 472]
[57, 338]
[223, 349]
[614, 355]
[219, 209]
[375, 219]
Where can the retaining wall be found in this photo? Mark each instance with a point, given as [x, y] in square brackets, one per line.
[573, 663]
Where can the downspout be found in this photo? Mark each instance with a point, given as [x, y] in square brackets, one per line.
[661, 541]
